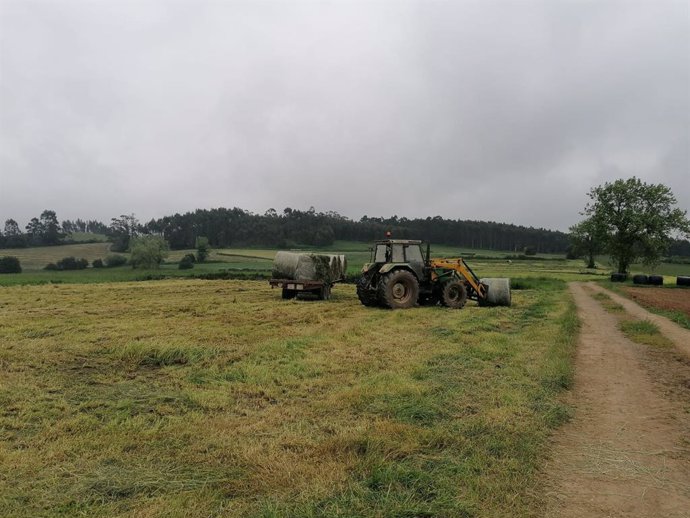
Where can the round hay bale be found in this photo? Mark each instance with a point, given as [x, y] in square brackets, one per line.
[640, 279]
[682, 281]
[285, 265]
[309, 267]
[655, 280]
[498, 291]
[619, 277]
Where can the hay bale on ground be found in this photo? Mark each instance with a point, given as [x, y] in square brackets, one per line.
[498, 293]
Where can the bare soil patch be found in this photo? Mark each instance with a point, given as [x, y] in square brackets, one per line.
[626, 452]
[661, 298]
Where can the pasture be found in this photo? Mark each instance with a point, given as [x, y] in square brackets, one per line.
[217, 398]
[250, 262]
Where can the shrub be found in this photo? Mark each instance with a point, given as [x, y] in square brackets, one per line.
[10, 264]
[148, 251]
[51, 267]
[530, 250]
[115, 260]
[186, 263]
[71, 263]
[97, 263]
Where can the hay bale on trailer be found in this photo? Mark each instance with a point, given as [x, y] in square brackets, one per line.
[309, 267]
[307, 274]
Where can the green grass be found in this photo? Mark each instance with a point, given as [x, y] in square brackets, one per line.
[676, 316]
[36, 258]
[206, 398]
[86, 236]
[644, 332]
[608, 303]
[244, 262]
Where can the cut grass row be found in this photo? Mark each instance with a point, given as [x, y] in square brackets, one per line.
[193, 398]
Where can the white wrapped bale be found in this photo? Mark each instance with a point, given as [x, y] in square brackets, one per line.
[498, 293]
[309, 267]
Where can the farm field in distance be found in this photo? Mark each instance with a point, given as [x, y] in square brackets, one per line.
[254, 262]
[201, 398]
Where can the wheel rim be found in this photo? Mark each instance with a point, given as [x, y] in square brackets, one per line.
[400, 292]
[454, 293]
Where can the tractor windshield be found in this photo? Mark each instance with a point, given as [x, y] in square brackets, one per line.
[413, 254]
[380, 256]
[398, 256]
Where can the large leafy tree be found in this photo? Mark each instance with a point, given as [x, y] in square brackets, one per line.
[50, 228]
[13, 235]
[635, 220]
[122, 230]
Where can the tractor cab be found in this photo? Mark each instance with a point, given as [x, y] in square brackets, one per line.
[391, 253]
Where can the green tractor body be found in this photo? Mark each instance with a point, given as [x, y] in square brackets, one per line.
[401, 275]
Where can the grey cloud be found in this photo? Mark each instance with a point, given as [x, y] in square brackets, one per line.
[506, 111]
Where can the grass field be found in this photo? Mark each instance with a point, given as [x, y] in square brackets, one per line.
[36, 258]
[244, 262]
[217, 398]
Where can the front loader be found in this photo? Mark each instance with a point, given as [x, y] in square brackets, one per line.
[401, 275]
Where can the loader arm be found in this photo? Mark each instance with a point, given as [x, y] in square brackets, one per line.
[463, 270]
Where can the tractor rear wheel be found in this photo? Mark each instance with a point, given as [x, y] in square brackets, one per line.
[398, 289]
[454, 294]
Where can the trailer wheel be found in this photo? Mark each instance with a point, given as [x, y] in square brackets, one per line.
[454, 294]
[289, 294]
[398, 290]
[325, 292]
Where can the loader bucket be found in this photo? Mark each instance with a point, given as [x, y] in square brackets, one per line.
[498, 292]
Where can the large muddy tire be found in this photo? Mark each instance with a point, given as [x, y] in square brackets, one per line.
[655, 280]
[682, 281]
[640, 279]
[366, 296]
[288, 294]
[498, 292]
[454, 294]
[398, 290]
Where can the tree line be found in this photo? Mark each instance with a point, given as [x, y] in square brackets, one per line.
[235, 227]
[45, 230]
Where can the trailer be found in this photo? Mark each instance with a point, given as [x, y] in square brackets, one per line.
[304, 288]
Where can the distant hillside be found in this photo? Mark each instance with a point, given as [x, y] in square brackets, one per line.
[35, 258]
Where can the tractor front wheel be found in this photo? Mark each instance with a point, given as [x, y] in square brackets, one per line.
[454, 294]
[366, 296]
[398, 289]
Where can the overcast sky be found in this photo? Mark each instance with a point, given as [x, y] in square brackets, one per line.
[494, 110]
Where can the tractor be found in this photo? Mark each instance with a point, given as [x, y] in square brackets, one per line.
[401, 275]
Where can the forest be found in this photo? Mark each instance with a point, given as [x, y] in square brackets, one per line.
[238, 227]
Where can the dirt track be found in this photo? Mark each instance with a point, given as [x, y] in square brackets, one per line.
[627, 451]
